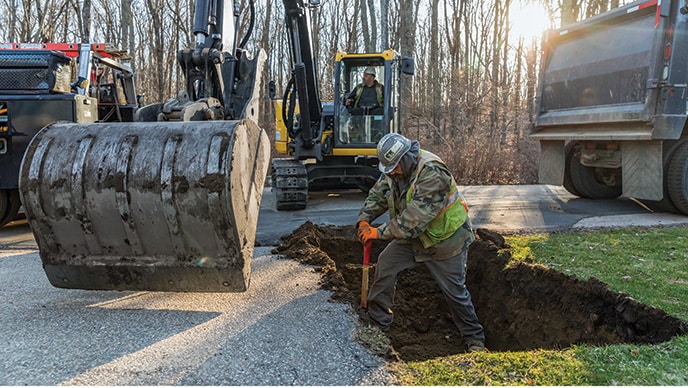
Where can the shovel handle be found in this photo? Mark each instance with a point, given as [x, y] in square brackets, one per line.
[366, 252]
[364, 280]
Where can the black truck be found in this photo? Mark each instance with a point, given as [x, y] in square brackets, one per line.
[612, 105]
[48, 82]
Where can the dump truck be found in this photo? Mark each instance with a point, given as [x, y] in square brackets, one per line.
[38, 85]
[612, 105]
[324, 144]
[168, 202]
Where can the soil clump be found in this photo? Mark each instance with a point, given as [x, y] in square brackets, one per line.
[522, 306]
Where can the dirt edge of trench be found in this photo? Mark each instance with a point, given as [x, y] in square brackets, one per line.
[522, 307]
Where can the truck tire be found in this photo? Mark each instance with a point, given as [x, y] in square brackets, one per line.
[4, 203]
[569, 150]
[588, 181]
[10, 208]
[677, 178]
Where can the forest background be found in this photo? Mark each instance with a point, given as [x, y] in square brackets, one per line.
[472, 99]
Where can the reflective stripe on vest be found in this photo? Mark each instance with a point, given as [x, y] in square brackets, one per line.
[450, 218]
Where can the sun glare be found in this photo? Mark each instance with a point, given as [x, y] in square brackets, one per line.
[528, 20]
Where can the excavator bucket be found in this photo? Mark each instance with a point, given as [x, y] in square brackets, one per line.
[159, 206]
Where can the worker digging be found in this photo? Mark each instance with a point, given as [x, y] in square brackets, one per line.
[428, 224]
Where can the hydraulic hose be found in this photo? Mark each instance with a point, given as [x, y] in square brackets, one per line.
[288, 102]
[252, 22]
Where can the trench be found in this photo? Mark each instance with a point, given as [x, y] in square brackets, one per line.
[522, 307]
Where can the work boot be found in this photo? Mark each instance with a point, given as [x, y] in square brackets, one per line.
[475, 345]
[371, 322]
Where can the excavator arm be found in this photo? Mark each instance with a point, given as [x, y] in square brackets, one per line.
[303, 85]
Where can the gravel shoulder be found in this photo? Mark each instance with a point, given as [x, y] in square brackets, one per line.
[283, 331]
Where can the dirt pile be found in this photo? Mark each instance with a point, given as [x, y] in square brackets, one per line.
[522, 307]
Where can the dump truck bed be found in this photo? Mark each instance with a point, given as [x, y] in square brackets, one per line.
[620, 75]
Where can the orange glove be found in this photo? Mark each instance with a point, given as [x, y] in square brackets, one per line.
[366, 232]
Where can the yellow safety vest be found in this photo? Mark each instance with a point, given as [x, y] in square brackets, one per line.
[450, 218]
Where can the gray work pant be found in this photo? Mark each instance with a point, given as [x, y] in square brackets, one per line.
[450, 275]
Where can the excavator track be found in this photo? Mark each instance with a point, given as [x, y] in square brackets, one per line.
[161, 206]
[290, 184]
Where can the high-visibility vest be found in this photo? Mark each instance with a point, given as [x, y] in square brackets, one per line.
[450, 218]
[359, 92]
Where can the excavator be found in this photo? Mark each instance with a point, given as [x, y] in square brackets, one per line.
[327, 145]
[169, 202]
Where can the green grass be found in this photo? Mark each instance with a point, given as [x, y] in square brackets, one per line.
[540, 367]
[651, 265]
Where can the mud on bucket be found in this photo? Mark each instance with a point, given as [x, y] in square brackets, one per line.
[146, 206]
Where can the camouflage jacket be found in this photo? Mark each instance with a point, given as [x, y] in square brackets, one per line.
[408, 220]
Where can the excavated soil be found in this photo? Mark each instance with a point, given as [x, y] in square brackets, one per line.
[522, 307]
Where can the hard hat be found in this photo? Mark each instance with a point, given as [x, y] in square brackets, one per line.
[390, 150]
[369, 70]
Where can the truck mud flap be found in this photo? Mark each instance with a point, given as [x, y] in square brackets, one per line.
[162, 206]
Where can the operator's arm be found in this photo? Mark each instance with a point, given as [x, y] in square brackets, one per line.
[349, 98]
[376, 204]
[429, 198]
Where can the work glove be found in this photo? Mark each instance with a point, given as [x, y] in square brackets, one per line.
[366, 232]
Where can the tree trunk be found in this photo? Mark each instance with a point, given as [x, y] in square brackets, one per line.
[569, 11]
[407, 46]
[531, 82]
[365, 24]
[384, 25]
[86, 26]
[354, 26]
[372, 17]
[434, 65]
[12, 33]
[494, 81]
[518, 78]
[128, 30]
[157, 48]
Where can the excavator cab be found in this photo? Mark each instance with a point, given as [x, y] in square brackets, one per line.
[363, 125]
[344, 155]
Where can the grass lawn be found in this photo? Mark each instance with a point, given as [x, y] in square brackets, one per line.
[651, 265]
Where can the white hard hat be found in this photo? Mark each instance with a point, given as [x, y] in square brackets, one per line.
[369, 70]
[390, 150]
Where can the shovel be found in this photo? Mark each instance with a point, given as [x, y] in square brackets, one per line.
[364, 281]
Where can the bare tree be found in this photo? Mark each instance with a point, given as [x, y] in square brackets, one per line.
[384, 25]
[372, 45]
[570, 9]
[435, 63]
[86, 21]
[128, 29]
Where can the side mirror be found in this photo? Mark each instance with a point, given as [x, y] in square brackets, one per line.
[408, 65]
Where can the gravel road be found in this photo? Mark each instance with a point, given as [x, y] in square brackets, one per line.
[283, 331]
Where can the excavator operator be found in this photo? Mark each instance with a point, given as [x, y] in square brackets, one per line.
[367, 98]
